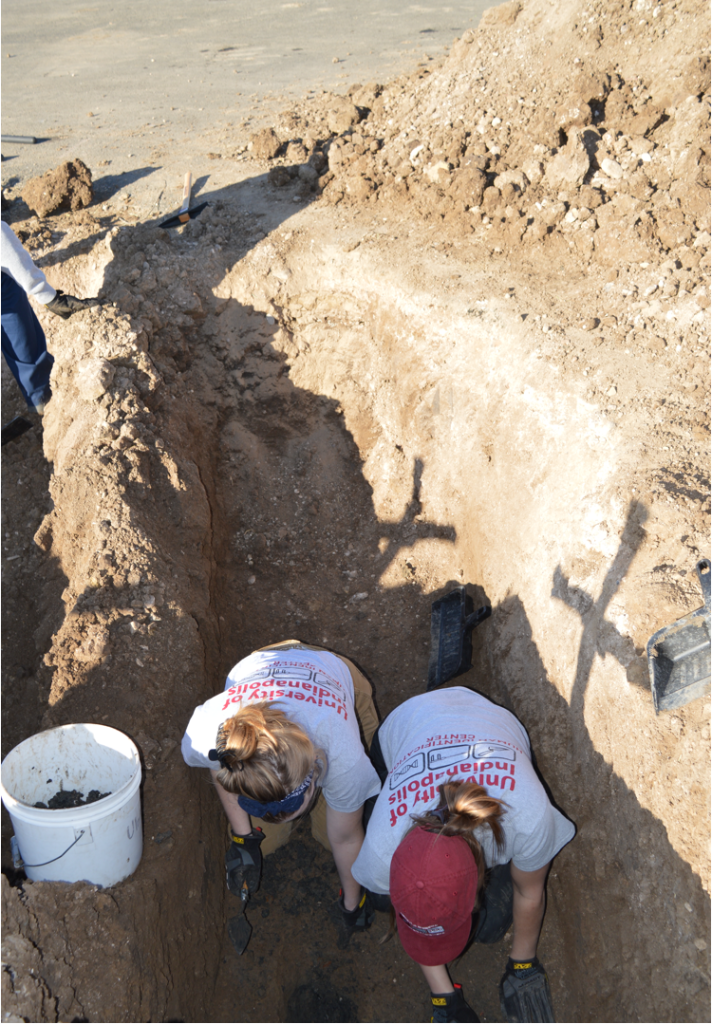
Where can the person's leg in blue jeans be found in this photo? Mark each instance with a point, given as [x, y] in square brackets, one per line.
[24, 345]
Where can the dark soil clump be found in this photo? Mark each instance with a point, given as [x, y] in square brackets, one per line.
[71, 798]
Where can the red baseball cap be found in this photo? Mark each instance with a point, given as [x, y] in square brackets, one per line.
[433, 892]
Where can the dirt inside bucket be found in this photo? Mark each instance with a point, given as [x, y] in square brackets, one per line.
[312, 424]
[71, 798]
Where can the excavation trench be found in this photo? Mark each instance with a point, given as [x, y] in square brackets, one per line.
[312, 443]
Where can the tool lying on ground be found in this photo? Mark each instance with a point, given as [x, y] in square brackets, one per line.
[15, 428]
[451, 623]
[524, 993]
[679, 655]
[238, 927]
[185, 213]
[26, 140]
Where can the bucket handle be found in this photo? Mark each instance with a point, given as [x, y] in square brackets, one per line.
[45, 862]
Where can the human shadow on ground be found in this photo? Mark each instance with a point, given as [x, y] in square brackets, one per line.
[109, 184]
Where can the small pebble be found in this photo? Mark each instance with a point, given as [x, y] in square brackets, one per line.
[611, 168]
[251, 579]
[270, 320]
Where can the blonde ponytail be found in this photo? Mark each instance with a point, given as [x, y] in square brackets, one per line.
[465, 806]
[265, 756]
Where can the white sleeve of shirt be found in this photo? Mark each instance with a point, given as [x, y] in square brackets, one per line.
[199, 737]
[16, 262]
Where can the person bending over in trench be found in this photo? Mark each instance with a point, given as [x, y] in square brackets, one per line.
[462, 814]
[282, 740]
[23, 341]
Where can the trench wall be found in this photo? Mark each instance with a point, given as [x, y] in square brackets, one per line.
[536, 483]
[509, 479]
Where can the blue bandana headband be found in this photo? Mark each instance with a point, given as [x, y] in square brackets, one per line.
[291, 802]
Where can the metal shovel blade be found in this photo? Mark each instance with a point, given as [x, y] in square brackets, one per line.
[239, 929]
[679, 655]
[451, 623]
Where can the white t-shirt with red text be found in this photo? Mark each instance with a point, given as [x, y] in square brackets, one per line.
[315, 690]
[460, 735]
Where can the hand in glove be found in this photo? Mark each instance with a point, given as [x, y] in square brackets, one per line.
[243, 862]
[451, 1006]
[524, 993]
[64, 305]
[356, 920]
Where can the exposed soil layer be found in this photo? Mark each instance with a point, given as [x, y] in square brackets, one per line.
[434, 373]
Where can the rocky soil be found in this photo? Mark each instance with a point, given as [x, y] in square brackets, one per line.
[451, 329]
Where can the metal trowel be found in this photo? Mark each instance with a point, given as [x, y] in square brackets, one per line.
[679, 655]
[239, 928]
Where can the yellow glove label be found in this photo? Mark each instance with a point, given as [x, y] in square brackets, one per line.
[439, 1001]
[521, 967]
[238, 839]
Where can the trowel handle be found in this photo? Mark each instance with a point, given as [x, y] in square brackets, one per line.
[703, 570]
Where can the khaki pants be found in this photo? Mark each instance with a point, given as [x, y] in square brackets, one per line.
[278, 834]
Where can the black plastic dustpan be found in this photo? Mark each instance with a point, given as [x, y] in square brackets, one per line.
[679, 655]
[452, 620]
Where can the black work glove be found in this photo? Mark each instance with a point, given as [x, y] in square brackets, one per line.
[243, 862]
[451, 1006]
[524, 993]
[356, 920]
[64, 305]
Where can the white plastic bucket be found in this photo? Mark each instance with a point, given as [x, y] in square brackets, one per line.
[100, 842]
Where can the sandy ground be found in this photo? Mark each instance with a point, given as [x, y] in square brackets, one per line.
[455, 330]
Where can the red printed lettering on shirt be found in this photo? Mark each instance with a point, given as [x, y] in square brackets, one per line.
[413, 785]
[486, 766]
[493, 780]
[508, 778]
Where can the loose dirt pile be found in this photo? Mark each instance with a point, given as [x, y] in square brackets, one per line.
[68, 187]
[481, 356]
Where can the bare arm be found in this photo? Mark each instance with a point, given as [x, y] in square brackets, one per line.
[528, 910]
[345, 832]
[239, 819]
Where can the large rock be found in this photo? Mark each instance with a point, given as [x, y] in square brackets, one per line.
[570, 166]
[94, 378]
[68, 187]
